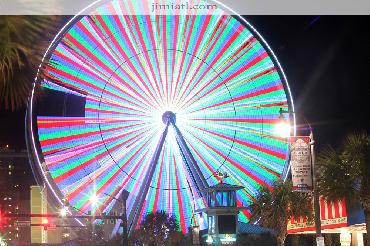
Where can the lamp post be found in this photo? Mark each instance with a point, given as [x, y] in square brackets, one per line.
[283, 130]
[94, 200]
[123, 217]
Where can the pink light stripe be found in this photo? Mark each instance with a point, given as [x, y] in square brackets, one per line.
[107, 68]
[202, 32]
[85, 164]
[128, 59]
[232, 76]
[237, 165]
[81, 188]
[142, 42]
[112, 103]
[188, 33]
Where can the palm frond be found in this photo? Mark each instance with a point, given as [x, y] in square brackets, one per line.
[335, 177]
[272, 208]
[22, 43]
[345, 173]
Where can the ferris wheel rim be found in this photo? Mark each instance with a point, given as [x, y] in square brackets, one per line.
[61, 34]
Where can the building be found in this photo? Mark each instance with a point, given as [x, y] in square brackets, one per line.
[43, 230]
[15, 180]
[222, 214]
[342, 217]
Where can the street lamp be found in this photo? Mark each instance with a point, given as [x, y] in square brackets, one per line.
[123, 217]
[283, 129]
[64, 211]
[93, 200]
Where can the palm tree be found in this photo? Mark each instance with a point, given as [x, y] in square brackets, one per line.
[23, 39]
[345, 172]
[274, 207]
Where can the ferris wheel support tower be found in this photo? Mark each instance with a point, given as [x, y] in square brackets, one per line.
[169, 119]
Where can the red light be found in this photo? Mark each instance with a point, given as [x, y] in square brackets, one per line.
[45, 221]
[2, 219]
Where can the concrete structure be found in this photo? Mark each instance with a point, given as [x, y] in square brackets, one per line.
[50, 232]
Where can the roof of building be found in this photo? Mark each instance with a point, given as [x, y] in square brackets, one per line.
[224, 187]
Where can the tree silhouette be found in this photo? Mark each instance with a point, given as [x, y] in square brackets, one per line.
[158, 229]
[345, 172]
[274, 207]
[23, 40]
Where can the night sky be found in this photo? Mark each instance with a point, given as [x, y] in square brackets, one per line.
[326, 60]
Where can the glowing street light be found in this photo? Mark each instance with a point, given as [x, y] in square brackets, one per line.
[94, 200]
[282, 128]
[64, 212]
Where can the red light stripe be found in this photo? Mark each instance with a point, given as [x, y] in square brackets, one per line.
[249, 145]
[237, 165]
[85, 164]
[323, 208]
[82, 187]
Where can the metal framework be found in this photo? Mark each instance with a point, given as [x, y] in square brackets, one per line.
[168, 118]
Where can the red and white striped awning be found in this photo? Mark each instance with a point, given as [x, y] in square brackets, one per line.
[333, 215]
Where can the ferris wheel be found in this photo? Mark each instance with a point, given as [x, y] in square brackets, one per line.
[157, 104]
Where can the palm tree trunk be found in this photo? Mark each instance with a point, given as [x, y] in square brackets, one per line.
[281, 232]
[367, 221]
[328, 239]
[281, 236]
[280, 240]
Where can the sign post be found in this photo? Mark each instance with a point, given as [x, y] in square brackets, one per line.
[300, 161]
[320, 241]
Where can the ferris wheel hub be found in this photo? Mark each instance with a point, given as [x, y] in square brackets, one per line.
[169, 117]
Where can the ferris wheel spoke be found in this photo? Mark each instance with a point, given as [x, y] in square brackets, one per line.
[195, 44]
[140, 44]
[250, 147]
[109, 71]
[207, 89]
[209, 74]
[249, 173]
[210, 60]
[114, 175]
[188, 25]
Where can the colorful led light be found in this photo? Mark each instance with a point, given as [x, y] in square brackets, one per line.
[125, 71]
